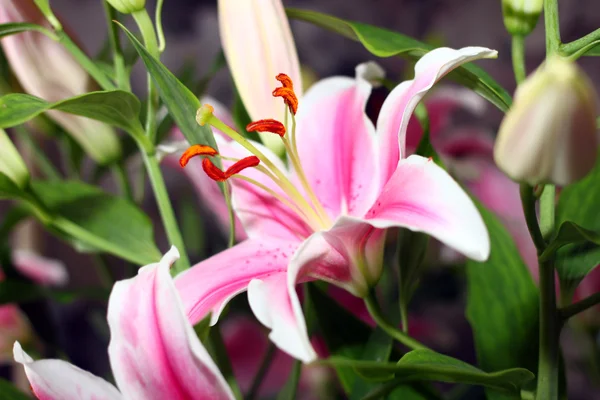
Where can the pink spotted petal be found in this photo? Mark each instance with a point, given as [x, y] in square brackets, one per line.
[39, 269]
[336, 142]
[59, 380]
[422, 196]
[401, 102]
[154, 351]
[209, 285]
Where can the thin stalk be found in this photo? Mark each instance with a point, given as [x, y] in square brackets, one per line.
[518, 58]
[122, 181]
[166, 210]
[91, 68]
[375, 311]
[528, 202]
[588, 41]
[262, 372]
[219, 354]
[227, 194]
[39, 157]
[552, 27]
[117, 51]
[582, 305]
[103, 271]
[146, 28]
[547, 214]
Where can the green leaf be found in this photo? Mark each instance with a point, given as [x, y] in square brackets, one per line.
[578, 205]
[420, 365]
[571, 233]
[502, 304]
[180, 101]
[378, 348]
[291, 385]
[98, 220]
[9, 392]
[385, 43]
[115, 107]
[8, 190]
[13, 28]
[348, 341]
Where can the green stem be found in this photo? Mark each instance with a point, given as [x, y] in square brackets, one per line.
[528, 202]
[166, 210]
[219, 354]
[146, 28]
[552, 27]
[518, 58]
[375, 311]
[588, 41]
[39, 156]
[123, 181]
[262, 372]
[549, 334]
[580, 306]
[85, 61]
[115, 44]
[103, 271]
[227, 194]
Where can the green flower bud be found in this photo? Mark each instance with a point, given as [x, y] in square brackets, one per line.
[521, 16]
[11, 163]
[127, 6]
[549, 134]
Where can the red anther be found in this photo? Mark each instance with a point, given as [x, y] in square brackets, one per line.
[212, 171]
[286, 81]
[266, 125]
[216, 174]
[246, 162]
[289, 97]
[196, 150]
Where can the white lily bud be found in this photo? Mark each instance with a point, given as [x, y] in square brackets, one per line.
[127, 6]
[549, 134]
[521, 16]
[46, 69]
[11, 163]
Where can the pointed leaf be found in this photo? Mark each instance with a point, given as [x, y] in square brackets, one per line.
[502, 304]
[385, 43]
[8, 190]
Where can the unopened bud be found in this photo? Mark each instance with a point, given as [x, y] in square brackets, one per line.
[521, 16]
[11, 163]
[549, 134]
[127, 6]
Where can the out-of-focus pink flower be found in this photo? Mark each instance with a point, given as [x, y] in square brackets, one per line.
[46, 69]
[39, 269]
[13, 326]
[154, 351]
[326, 218]
[468, 153]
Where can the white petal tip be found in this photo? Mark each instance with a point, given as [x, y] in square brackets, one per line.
[171, 256]
[19, 354]
[371, 72]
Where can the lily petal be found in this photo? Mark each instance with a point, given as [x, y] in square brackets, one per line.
[422, 196]
[59, 380]
[154, 350]
[336, 142]
[401, 102]
[258, 44]
[210, 284]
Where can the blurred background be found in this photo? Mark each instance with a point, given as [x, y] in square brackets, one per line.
[191, 31]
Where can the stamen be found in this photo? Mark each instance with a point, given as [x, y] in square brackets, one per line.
[204, 113]
[285, 80]
[196, 150]
[267, 125]
[289, 98]
[216, 174]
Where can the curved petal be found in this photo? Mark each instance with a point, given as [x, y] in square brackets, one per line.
[210, 284]
[59, 380]
[401, 102]
[154, 351]
[258, 44]
[42, 270]
[422, 196]
[336, 142]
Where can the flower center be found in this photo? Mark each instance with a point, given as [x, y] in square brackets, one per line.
[302, 202]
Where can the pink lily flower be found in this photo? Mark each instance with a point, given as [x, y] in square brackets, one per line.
[468, 153]
[326, 218]
[154, 351]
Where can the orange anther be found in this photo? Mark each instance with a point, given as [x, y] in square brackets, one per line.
[216, 174]
[196, 150]
[286, 81]
[266, 125]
